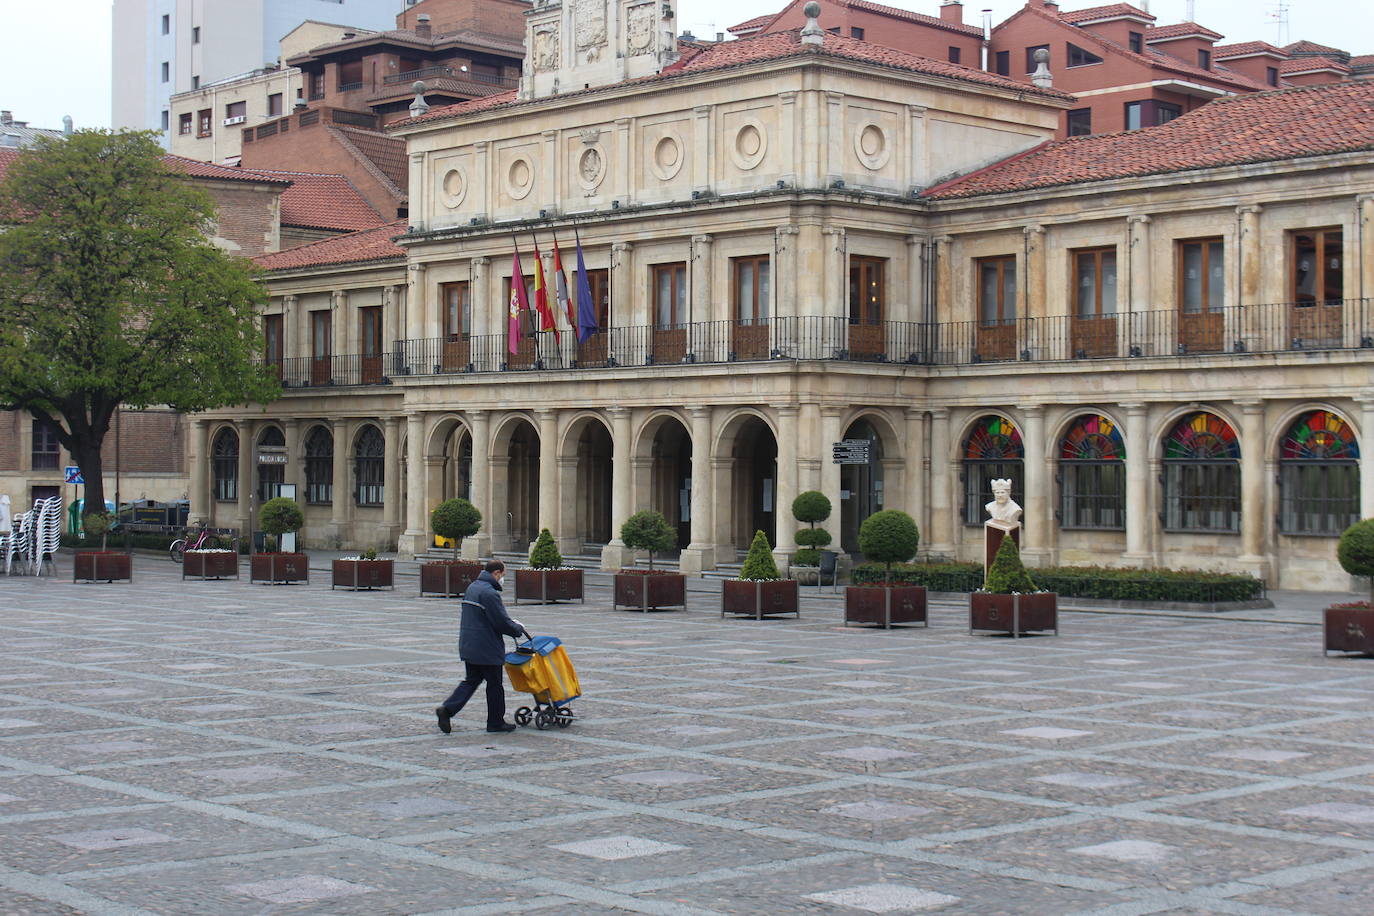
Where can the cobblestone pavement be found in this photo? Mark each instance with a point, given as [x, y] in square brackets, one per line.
[227, 748]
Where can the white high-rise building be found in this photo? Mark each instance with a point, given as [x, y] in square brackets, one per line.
[166, 46]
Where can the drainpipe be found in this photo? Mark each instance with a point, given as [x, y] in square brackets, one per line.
[987, 36]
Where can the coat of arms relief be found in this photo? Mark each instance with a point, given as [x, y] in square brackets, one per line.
[589, 17]
[639, 31]
[546, 48]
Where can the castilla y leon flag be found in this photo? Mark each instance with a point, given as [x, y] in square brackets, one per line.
[518, 301]
[541, 295]
[560, 286]
[586, 309]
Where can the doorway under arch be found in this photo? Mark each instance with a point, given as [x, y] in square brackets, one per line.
[520, 520]
[670, 475]
[457, 466]
[593, 484]
[863, 483]
[754, 483]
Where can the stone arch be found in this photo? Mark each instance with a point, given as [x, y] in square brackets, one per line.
[585, 481]
[448, 459]
[986, 452]
[515, 451]
[1171, 418]
[271, 473]
[748, 445]
[1317, 454]
[1274, 436]
[865, 484]
[663, 457]
[1202, 472]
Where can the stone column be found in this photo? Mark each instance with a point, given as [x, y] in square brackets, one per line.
[1140, 521]
[913, 477]
[834, 302]
[294, 472]
[914, 309]
[830, 471]
[479, 545]
[415, 310]
[707, 346]
[722, 474]
[415, 537]
[944, 285]
[1035, 533]
[615, 554]
[1134, 329]
[1253, 507]
[480, 294]
[786, 270]
[700, 552]
[625, 311]
[200, 497]
[810, 293]
[1251, 266]
[391, 480]
[942, 512]
[416, 179]
[341, 508]
[786, 489]
[809, 468]
[248, 477]
[1366, 402]
[1035, 335]
[549, 515]
[568, 534]
[1364, 255]
[624, 183]
[701, 148]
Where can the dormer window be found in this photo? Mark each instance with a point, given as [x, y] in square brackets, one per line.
[1078, 57]
[1136, 41]
[1204, 58]
[1271, 75]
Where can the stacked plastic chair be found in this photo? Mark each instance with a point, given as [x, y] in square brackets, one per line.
[19, 551]
[47, 533]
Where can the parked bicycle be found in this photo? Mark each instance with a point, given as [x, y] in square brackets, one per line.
[201, 540]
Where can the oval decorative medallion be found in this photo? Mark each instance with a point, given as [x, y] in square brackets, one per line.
[751, 144]
[453, 188]
[591, 167]
[666, 159]
[520, 177]
[871, 146]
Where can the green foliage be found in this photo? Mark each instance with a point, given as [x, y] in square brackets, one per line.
[281, 515]
[759, 565]
[1182, 585]
[455, 519]
[807, 556]
[1007, 574]
[889, 537]
[813, 537]
[1356, 551]
[97, 524]
[812, 506]
[370, 553]
[544, 554]
[111, 293]
[648, 530]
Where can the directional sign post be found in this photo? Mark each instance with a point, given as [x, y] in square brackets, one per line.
[853, 451]
[72, 474]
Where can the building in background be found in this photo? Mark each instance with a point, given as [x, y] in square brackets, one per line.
[18, 134]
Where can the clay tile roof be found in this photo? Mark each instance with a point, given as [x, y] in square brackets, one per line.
[193, 168]
[355, 248]
[1311, 47]
[6, 157]
[316, 201]
[1179, 30]
[1244, 48]
[1260, 127]
[382, 155]
[1311, 64]
[1098, 13]
[750, 25]
[909, 16]
[766, 47]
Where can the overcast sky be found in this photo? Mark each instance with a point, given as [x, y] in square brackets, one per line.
[58, 63]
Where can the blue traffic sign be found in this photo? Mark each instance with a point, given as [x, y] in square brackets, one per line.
[72, 474]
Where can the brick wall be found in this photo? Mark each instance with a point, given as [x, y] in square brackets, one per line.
[915, 38]
[504, 18]
[11, 424]
[150, 442]
[248, 216]
[315, 149]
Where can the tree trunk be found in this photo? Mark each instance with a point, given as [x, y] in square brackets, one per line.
[87, 457]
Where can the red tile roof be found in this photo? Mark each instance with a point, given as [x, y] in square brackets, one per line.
[1180, 30]
[316, 201]
[1311, 47]
[751, 25]
[383, 156]
[1261, 127]
[193, 168]
[1245, 48]
[6, 157]
[1310, 65]
[909, 16]
[755, 49]
[354, 248]
[1099, 13]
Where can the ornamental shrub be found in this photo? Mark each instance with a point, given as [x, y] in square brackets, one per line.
[455, 519]
[807, 556]
[280, 515]
[1356, 551]
[97, 524]
[1107, 583]
[889, 537]
[648, 530]
[1007, 574]
[759, 565]
[811, 507]
[813, 537]
[544, 554]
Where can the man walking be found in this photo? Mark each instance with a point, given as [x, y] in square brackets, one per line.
[480, 647]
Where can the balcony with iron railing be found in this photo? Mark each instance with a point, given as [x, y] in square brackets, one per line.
[1250, 329]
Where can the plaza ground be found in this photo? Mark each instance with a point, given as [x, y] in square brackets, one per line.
[226, 748]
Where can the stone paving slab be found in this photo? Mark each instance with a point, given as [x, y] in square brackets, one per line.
[185, 747]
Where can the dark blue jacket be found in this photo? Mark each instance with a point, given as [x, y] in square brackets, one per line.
[484, 621]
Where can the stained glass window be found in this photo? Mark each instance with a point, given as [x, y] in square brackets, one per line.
[1202, 475]
[1319, 476]
[992, 450]
[1093, 475]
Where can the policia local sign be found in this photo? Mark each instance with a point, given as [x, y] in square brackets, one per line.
[853, 451]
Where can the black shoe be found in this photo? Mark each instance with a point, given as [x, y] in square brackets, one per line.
[503, 727]
[445, 723]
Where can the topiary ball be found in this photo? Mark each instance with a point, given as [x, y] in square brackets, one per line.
[889, 536]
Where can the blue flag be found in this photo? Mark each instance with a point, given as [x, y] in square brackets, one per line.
[586, 308]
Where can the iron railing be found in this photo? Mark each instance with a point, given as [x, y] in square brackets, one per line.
[1269, 328]
[411, 76]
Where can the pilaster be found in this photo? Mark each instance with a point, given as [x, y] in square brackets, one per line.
[1140, 521]
[1253, 507]
[615, 554]
[700, 551]
[414, 539]
[479, 545]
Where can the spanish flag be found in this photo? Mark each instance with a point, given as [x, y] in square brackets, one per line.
[541, 295]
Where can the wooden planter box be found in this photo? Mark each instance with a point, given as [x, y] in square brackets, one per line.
[449, 578]
[885, 605]
[210, 564]
[759, 599]
[279, 568]
[356, 574]
[1349, 629]
[644, 591]
[545, 585]
[1014, 614]
[102, 566]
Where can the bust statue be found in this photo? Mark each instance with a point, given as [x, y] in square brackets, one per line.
[1003, 508]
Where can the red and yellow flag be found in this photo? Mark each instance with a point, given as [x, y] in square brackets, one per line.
[541, 295]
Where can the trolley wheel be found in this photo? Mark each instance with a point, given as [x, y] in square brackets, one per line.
[564, 721]
[522, 716]
[543, 719]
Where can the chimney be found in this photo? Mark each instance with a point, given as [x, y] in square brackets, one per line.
[6, 118]
[952, 11]
[422, 25]
[67, 125]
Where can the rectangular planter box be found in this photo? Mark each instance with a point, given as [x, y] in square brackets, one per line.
[102, 566]
[449, 578]
[1014, 614]
[545, 585]
[210, 564]
[1349, 629]
[885, 605]
[759, 599]
[650, 592]
[279, 567]
[356, 574]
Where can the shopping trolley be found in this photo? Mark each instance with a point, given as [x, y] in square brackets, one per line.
[540, 667]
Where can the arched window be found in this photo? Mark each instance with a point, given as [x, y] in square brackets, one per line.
[368, 467]
[1092, 470]
[225, 466]
[319, 466]
[1202, 475]
[993, 449]
[271, 460]
[1319, 476]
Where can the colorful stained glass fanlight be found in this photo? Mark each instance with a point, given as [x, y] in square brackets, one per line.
[1092, 438]
[1202, 437]
[1320, 436]
[993, 438]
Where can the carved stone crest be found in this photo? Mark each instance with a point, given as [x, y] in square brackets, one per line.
[546, 48]
[639, 32]
[590, 19]
[589, 135]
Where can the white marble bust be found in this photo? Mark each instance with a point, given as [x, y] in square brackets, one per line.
[1003, 508]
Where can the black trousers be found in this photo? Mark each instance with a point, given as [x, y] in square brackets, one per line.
[496, 692]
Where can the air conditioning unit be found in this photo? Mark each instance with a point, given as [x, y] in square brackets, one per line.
[239, 120]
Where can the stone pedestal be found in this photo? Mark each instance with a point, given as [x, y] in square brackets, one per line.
[695, 558]
[476, 547]
[994, 532]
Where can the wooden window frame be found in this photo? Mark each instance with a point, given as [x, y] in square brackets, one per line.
[1088, 58]
[599, 282]
[862, 308]
[186, 124]
[321, 318]
[457, 305]
[274, 339]
[204, 122]
[370, 319]
[1320, 236]
[761, 311]
[1098, 256]
[1205, 290]
[1084, 113]
[43, 458]
[676, 272]
[1003, 263]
